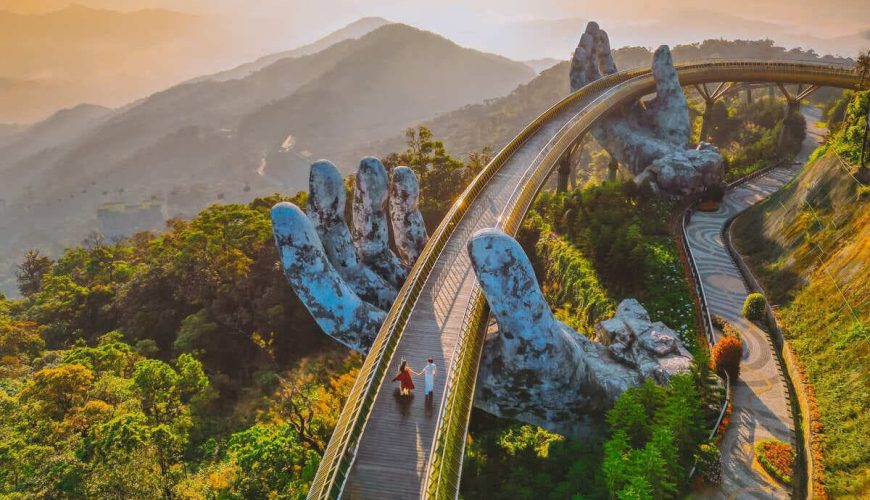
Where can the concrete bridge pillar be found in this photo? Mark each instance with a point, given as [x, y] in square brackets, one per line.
[565, 172]
[793, 104]
[710, 99]
[612, 169]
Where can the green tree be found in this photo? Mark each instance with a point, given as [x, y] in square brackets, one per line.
[442, 177]
[274, 462]
[57, 390]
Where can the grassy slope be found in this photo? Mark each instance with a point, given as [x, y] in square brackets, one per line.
[812, 257]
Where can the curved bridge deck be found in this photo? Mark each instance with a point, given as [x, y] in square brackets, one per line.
[387, 447]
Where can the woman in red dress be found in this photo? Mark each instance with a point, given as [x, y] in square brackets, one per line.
[405, 378]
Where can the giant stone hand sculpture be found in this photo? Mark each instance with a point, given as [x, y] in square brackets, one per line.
[535, 369]
[539, 370]
[650, 139]
[348, 282]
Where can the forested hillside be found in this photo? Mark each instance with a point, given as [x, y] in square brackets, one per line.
[180, 364]
[809, 244]
[172, 365]
[201, 142]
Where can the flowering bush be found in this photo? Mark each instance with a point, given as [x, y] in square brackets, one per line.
[726, 356]
[776, 457]
[753, 307]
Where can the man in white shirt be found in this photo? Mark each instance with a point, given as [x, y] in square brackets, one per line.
[429, 378]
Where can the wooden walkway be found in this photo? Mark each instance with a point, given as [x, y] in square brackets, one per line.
[393, 454]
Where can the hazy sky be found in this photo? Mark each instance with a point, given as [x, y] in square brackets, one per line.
[279, 24]
[302, 20]
[78, 56]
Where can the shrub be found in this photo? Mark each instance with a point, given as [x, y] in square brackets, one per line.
[776, 457]
[754, 306]
[729, 331]
[726, 356]
[709, 463]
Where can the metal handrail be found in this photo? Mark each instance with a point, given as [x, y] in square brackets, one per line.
[608, 92]
[441, 481]
[708, 319]
[696, 277]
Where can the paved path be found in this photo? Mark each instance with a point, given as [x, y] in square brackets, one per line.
[761, 403]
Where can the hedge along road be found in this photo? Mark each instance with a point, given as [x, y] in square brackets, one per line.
[760, 396]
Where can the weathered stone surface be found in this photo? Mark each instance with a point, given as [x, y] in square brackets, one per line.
[592, 57]
[337, 309]
[649, 139]
[539, 370]
[326, 205]
[370, 231]
[409, 230]
[651, 347]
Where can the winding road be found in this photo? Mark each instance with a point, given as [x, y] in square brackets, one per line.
[761, 406]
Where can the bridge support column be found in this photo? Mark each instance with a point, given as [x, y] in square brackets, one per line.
[565, 172]
[612, 169]
[748, 88]
[710, 99]
[793, 106]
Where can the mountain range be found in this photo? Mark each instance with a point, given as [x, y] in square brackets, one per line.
[225, 138]
[253, 130]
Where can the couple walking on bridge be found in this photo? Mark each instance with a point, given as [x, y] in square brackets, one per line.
[406, 380]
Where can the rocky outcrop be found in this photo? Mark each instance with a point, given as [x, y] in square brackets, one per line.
[370, 231]
[409, 230]
[336, 308]
[649, 347]
[649, 139]
[539, 370]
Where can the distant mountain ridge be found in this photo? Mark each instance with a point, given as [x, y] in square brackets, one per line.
[60, 128]
[209, 140]
[354, 30]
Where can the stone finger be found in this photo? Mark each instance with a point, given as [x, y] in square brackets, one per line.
[370, 231]
[338, 311]
[409, 230]
[326, 207]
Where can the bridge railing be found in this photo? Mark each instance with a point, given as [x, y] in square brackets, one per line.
[442, 477]
[340, 452]
[445, 464]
